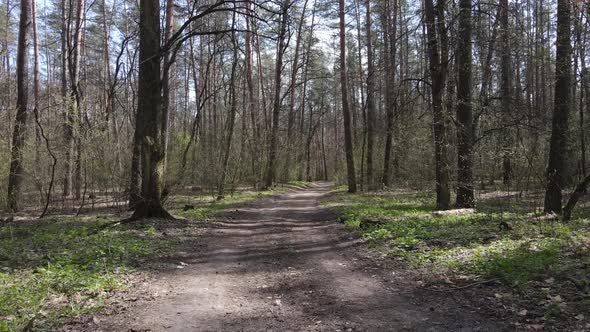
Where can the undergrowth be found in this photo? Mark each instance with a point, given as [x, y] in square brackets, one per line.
[62, 267]
[513, 245]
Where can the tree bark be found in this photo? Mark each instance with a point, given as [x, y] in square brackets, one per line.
[370, 97]
[351, 176]
[390, 40]
[437, 76]
[506, 94]
[232, 118]
[68, 130]
[575, 197]
[291, 114]
[15, 177]
[465, 194]
[73, 130]
[149, 114]
[167, 77]
[276, 113]
[559, 143]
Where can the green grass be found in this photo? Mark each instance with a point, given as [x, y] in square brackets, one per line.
[354, 208]
[299, 184]
[62, 267]
[205, 210]
[541, 265]
[473, 244]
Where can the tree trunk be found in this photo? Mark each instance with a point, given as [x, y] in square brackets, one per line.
[68, 130]
[167, 77]
[390, 42]
[575, 197]
[586, 93]
[20, 122]
[73, 132]
[345, 107]
[559, 144]
[231, 120]
[291, 114]
[443, 193]
[465, 195]
[274, 139]
[506, 94]
[370, 97]
[149, 114]
[252, 104]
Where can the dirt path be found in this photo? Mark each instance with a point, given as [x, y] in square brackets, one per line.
[283, 264]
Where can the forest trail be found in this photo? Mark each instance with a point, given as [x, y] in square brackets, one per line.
[282, 263]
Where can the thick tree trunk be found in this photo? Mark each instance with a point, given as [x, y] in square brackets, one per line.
[149, 112]
[135, 178]
[559, 143]
[443, 193]
[22, 96]
[276, 113]
[465, 195]
[351, 176]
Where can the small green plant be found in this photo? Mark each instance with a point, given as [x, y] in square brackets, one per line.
[475, 243]
[65, 267]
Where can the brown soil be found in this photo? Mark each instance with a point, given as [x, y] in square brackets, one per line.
[283, 263]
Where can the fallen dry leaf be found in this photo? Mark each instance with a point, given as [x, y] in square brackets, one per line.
[536, 327]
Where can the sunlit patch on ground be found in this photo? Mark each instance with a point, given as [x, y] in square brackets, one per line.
[505, 241]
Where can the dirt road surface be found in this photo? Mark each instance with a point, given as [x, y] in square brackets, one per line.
[283, 263]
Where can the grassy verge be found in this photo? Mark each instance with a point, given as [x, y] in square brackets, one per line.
[527, 253]
[64, 266]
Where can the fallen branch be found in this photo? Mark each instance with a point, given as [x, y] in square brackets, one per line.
[483, 282]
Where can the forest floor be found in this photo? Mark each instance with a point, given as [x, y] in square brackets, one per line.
[284, 263]
[309, 258]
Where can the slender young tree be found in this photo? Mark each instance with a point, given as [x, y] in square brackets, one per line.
[15, 177]
[167, 78]
[370, 96]
[506, 93]
[390, 44]
[68, 130]
[559, 143]
[276, 111]
[232, 115]
[291, 114]
[351, 176]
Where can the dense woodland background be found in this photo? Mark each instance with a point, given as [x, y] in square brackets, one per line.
[104, 101]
